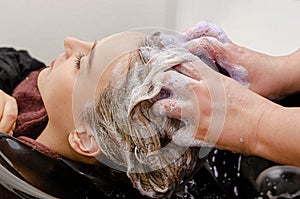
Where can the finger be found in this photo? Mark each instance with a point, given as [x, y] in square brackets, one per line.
[176, 82]
[189, 69]
[176, 109]
[206, 29]
[180, 87]
[2, 98]
[215, 50]
[14, 126]
[1, 111]
[11, 133]
[207, 46]
[167, 108]
[185, 136]
[9, 116]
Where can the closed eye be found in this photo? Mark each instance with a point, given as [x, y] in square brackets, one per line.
[77, 60]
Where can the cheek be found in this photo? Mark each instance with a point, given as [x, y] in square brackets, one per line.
[56, 88]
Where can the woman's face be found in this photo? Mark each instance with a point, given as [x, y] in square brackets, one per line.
[81, 65]
[56, 83]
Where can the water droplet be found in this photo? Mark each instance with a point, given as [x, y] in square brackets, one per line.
[239, 163]
[267, 179]
[215, 171]
[235, 191]
[269, 184]
[241, 140]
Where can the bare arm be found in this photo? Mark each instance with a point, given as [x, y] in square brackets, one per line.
[294, 71]
[257, 126]
[269, 76]
[277, 136]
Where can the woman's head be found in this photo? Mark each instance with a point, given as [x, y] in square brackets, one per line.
[69, 82]
[107, 99]
[127, 132]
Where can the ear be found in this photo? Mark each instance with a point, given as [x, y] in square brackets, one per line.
[84, 144]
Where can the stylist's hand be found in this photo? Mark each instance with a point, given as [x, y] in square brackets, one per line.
[264, 74]
[214, 108]
[8, 113]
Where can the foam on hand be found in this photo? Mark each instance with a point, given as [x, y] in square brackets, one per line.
[205, 29]
[213, 52]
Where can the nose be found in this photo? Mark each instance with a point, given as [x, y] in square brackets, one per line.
[73, 46]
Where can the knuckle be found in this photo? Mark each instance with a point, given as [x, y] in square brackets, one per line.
[12, 116]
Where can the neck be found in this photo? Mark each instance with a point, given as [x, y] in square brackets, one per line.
[57, 140]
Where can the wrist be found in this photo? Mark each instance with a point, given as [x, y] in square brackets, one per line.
[261, 69]
[244, 112]
[293, 69]
[284, 74]
[262, 131]
[269, 76]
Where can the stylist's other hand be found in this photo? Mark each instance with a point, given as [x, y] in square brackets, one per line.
[205, 29]
[259, 72]
[8, 113]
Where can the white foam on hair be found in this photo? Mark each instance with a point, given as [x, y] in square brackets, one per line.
[161, 77]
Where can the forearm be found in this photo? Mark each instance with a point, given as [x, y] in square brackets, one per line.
[293, 68]
[269, 76]
[256, 126]
[278, 136]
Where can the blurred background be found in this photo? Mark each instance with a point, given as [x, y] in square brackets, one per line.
[40, 26]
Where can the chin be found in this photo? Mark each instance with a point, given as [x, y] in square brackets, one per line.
[42, 79]
[42, 85]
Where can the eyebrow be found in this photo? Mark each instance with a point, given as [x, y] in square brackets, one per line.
[92, 53]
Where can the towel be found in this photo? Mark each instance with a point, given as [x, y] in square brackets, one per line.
[32, 117]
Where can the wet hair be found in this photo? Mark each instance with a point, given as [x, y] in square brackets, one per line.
[131, 136]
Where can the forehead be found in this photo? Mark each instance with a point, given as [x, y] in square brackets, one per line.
[112, 52]
[108, 51]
